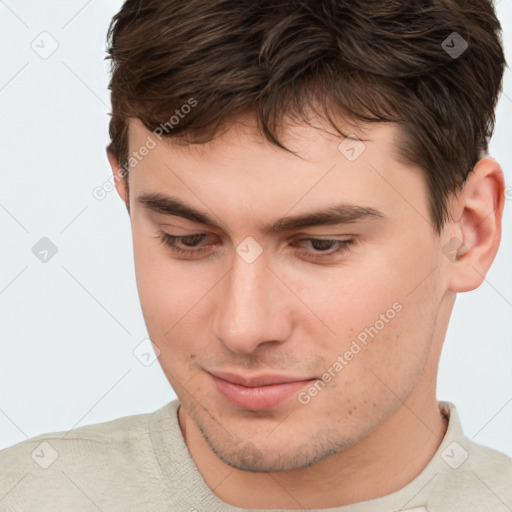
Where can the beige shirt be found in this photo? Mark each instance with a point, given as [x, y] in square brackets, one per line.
[141, 463]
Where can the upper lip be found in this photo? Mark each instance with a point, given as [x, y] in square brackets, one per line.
[257, 380]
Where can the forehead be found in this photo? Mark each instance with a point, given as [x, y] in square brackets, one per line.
[310, 142]
[240, 177]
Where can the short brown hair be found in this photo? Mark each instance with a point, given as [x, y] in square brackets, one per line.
[373, 60]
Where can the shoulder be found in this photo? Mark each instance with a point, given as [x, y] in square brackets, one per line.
[470, 476]
[44, 449]
[477, 478]
[490, 467]
[92, 463]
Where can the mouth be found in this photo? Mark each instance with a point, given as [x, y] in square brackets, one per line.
[257, 393]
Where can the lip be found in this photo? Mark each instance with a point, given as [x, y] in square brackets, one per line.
[260, 392]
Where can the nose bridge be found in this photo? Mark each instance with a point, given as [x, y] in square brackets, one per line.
[248, 307]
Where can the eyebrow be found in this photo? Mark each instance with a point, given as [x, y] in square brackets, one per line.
[342, 213]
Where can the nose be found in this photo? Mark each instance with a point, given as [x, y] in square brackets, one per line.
[252, 307]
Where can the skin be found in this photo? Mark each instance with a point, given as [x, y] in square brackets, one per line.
[375, 426]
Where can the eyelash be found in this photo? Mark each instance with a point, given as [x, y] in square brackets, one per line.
[170, 241]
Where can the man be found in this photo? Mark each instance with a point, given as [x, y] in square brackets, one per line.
[309, 188]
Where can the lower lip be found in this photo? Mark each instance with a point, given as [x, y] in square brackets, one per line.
[259, 398]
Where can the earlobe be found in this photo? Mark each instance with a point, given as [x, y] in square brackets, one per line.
[118, 175]
[476, 232]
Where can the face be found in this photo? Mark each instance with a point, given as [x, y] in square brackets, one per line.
[285, 345]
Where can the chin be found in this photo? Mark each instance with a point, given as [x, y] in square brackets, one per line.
[258, 458]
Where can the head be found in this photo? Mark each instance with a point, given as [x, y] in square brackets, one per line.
[231, 123]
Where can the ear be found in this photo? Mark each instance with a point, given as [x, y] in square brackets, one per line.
[118, 173]
[475, 231]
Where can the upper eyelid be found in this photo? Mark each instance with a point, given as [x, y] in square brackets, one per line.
[326, 238]
[293, 235]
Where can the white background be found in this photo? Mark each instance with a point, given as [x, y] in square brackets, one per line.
[68, 327]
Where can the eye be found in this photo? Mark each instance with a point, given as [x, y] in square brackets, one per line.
[187, 241]
[319, 245]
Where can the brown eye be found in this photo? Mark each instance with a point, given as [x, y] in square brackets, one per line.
[172, 241]
[319, 245]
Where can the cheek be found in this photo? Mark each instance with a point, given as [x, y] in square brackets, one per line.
[346, 304]
[394, 355]
[380, 326]
[367, 381]
[167, 290]
[173, 298]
